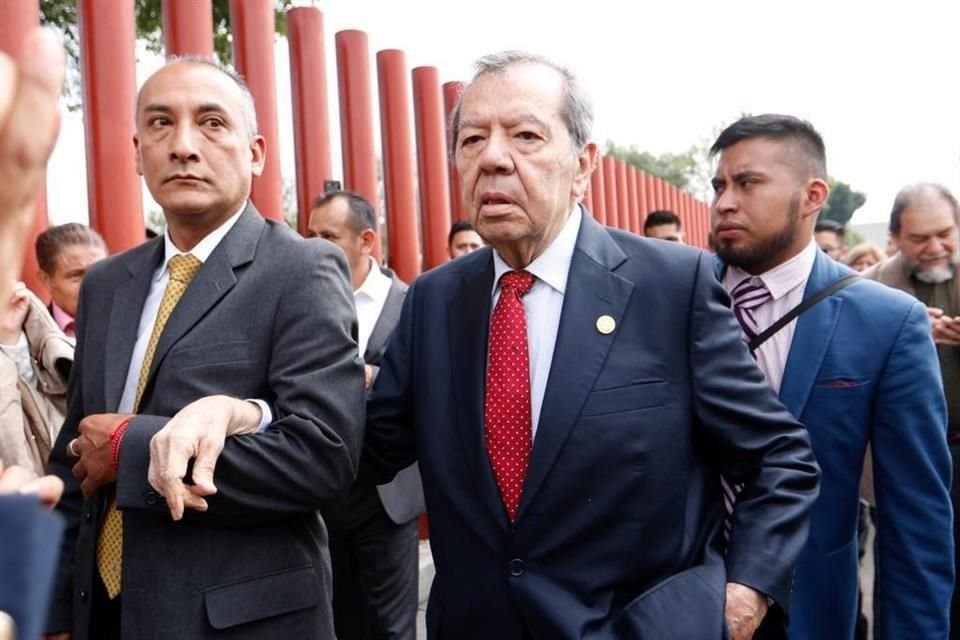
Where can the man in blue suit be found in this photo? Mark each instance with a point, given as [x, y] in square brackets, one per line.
[857, 368]
[572, 393]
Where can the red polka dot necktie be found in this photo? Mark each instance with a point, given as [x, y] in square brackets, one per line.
[506, 408]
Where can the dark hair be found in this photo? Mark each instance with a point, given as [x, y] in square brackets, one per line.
[55, 239]
[362, 216]
[826, 224]
[909, 195]
[778, 127]
[661, 218]
[457, 227]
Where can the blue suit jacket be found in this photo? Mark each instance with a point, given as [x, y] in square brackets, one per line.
[618, 531]
[862, 368]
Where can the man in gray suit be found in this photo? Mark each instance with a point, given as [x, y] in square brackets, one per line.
[226, 324]
[373, 530]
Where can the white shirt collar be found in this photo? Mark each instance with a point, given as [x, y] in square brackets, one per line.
[553, 265]
[784, 277]
[376, 285]
[204, 248]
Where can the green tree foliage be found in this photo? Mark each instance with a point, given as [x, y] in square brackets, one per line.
[62, 16]
[843, 202]
[676, 168]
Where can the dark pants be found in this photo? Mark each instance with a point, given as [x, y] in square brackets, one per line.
[105, 614]
[375, 569]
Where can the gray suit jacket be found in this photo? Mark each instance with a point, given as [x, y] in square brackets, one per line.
[402, 498]
[268, 316]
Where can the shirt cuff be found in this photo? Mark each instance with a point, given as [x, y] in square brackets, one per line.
[20, 354]
[266, 416]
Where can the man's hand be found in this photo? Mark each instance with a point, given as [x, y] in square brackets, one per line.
[11, 322]
[745, 610]
[946, 331]
[19, 480]
[367, 377]
[29, 91]
[95, 469]
[198, 431]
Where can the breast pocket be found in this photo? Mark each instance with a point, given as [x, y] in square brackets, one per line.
[641, 395]
[211, 354]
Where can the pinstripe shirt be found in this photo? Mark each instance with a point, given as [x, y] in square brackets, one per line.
[786, 283]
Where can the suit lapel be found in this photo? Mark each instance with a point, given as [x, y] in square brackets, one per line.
[212, 282]
[469, 331]
[812, 336]
[389, 316]
[593, 290]
[128, 300]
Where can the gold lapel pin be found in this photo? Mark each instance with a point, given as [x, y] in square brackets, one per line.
[606, 324]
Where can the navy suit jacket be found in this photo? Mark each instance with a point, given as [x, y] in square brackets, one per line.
[862, 368]
[618, 534]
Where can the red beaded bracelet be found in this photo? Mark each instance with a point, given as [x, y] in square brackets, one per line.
[115, 437]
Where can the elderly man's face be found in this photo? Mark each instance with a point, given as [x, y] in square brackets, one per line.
[928, 239]
[520, 174]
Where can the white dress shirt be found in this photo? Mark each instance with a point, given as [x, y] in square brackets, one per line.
[369, 300]
[148, 316]
[786, 283]
[542, 305]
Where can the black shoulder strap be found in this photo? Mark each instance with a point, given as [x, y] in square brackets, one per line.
[829, 290]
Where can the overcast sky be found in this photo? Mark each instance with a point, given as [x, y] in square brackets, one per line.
[879, 80]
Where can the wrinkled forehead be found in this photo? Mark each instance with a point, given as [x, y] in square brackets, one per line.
[526, 90]
[190, 85]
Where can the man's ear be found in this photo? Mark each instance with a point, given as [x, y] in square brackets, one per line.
[258, 154]
[136, 154]
[368, 238]
[586, 163]
[816, 194]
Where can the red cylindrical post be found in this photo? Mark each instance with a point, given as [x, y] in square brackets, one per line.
[598, 193]
[311, 118]
[432, 165]
[16, 19]
[659, 191]
[187, 27]
[356, 118]
[400, 200]
[674, 194]
[610, 191]
[252, 25]
[642, 207]
[451, 95]
[107, 59]
[634, 199]
[623, 195]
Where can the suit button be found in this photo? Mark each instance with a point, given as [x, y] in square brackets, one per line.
[83, 595]
[88, 516]
[516, 567]
[152, 497]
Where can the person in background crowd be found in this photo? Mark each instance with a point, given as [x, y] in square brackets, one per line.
[863, 256]
[831, 238]
[462, 239]
[664, 225]
[65, 253]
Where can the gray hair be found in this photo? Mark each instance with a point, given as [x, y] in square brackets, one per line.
[916, 193]
[247, 102]
[576, 110]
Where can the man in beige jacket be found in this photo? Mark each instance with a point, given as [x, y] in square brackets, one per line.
[35, 360]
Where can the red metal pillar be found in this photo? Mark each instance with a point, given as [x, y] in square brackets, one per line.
[356, 119]
[252, 25]
[623, 195]
[107, 59]
[17, 18]
[311, 117]
[451, 95]
[598, 192]
[400, 200]
[610, 191]
[187, 27]
[634, 199]
[659, 200]
[432, 164]
[642, 206]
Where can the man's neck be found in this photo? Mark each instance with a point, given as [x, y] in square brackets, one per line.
[186, 231]
[361, 272]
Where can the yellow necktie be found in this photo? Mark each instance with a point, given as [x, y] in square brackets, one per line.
[110, 542]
